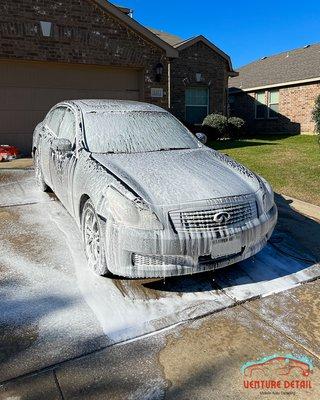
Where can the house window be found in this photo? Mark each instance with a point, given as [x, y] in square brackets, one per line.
[197, 104]
[260, 112]
[273, 104]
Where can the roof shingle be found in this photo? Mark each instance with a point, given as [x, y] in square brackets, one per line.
[289, 66]
[167, 37]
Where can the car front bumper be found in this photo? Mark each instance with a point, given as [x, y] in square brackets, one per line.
[146, 254]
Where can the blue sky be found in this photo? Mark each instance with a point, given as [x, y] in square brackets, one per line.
[246, 30]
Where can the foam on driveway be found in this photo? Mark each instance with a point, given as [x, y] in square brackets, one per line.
[19, 187]
[53, 308]
[281, 265]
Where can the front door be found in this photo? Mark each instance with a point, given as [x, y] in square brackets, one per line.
[48, 134]
[63, 164]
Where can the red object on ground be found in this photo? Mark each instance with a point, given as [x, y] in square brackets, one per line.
[8, 152]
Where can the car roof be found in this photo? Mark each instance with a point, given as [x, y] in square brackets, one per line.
[89, 105]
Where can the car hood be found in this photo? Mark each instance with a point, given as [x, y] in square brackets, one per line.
[180, 176]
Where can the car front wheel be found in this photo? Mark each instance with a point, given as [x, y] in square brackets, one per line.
[93, 240]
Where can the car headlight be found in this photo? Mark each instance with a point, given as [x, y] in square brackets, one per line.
[268, 195]
[131, 213]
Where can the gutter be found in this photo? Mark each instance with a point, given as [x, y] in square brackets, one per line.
[274, 85]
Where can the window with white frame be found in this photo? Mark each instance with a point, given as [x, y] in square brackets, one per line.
[273, 103]
[197, 104]
[260, 105]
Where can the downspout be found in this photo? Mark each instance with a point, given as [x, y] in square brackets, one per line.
[169, 84]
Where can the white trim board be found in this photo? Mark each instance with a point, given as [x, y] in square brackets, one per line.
[275, 85]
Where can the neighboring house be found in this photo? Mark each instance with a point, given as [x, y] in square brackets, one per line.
[52, 51]
[277, 93]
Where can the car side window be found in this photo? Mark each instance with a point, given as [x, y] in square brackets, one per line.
[48, 118]
[55, 120]
[67, 129]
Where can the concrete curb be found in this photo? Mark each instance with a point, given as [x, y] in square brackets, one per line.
[308, 209]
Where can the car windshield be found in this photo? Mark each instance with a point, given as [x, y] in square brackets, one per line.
[135, 132]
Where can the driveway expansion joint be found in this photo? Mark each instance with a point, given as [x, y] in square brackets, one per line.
[58, 384]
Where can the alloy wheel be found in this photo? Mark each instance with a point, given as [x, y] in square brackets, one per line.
[92, 242]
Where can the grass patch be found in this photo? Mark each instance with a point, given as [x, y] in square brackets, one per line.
[291, 164]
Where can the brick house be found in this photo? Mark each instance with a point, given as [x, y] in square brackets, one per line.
[276, 94]
[52, 51]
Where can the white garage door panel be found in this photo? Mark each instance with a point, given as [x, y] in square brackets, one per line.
[28, 90]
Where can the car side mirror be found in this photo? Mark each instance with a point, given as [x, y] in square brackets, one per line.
[202, 137]
[62, 145]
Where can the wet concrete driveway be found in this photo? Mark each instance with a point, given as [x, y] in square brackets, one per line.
[52, 308]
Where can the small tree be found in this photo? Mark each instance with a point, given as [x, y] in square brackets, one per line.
[316, 114]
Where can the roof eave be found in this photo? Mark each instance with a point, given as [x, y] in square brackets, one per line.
[112, 9]
[275, 85]
[233, 74]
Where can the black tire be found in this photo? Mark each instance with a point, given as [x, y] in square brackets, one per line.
[38, 171]
[93, 240]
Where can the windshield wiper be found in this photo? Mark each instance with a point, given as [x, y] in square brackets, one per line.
[147, 151]
[175, 148]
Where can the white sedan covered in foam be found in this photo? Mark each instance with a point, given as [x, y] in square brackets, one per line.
[149, 197]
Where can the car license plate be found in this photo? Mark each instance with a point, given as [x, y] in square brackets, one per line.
[225, 247]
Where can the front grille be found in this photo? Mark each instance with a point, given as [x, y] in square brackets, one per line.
[236, 213]
[141, 260]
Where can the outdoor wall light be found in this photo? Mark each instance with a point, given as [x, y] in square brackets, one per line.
[46, 28]
[159, 71]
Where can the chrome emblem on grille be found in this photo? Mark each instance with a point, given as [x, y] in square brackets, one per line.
[221, 217]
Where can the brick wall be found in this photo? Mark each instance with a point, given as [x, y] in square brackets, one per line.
[295, 107]
[199, 58]
[82, 33]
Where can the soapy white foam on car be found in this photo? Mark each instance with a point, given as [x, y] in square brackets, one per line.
[156, 159]
[168, 188]
[178, 177]
[135, 132]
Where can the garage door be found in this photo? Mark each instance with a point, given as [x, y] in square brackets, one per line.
[28, 90]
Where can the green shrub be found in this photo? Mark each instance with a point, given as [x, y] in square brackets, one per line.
[236, 127]
[316, 114]
[215, 126]
[218, 126]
